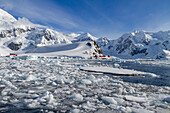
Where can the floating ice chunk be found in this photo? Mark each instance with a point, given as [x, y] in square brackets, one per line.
[75, 111]
[117, 85]
[8, 83]
[109, 100]
[89, 106]
[60, 80]
[124, 109]
[30, 78]
[32, 58]
[53, 83]
[110, 70]
[167, 99]
[32, 104]
[76, 97]
[119, 90]
[63, 80]
[91, 77]
[69, 81]
[5, 91]
[139, 110]
[24, 95]
[119, 100]
[150, 75]
[85, 81]
[116, 65]
[47, 98]
[135, 99]
[130, 90]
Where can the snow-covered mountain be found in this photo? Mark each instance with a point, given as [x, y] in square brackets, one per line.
[139, 44]
[85, 37]
[22, 36]
[6, 17]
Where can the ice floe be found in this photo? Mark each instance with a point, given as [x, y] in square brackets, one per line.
[59, 85]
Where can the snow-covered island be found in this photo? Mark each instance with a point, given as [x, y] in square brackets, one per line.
[43, 70]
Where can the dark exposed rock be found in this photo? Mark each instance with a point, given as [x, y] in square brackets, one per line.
[158, 43]
[89, 44]
[160, 56]
[138, 51]
[48, 36]
[97, 48]
[165, 44]
[14, 32]
[146, 42]
[14, 46]
[110, 47]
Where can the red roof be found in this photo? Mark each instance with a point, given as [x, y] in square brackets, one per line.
[12, 54]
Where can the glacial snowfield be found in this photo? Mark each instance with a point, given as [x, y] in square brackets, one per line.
[58, 85]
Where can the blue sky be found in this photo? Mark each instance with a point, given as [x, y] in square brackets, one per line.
[110, 18]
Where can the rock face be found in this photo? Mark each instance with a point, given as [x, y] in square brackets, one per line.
[97, 48]
[97, 51]
[139, 44]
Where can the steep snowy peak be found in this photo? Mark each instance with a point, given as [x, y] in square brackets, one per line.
[6, 17]
[24, 23]
[59, 37]
[136, 37]
[102, 41]
[86, 37]
[8, 22]
[43, 37]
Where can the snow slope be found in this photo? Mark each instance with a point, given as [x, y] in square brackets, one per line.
[74, 49]
[6, 17]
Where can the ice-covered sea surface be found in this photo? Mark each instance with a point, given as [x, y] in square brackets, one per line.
[58, 85]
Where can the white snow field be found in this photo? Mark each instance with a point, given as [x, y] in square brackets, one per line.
[56, 84]
[74, 49]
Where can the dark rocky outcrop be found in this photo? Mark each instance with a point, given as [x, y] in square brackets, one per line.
[97, 48]
[14, 32]
[14, 46]
[138, 51]
[48, 36]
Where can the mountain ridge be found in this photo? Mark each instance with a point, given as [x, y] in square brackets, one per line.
[21, 35]
[140, 44]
